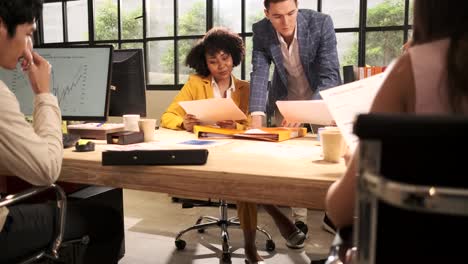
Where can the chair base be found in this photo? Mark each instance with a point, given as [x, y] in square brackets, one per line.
[223, 222]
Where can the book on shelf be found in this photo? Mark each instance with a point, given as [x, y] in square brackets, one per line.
[274, 134]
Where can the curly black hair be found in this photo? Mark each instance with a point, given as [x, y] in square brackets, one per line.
[16, 12]
[215, 40]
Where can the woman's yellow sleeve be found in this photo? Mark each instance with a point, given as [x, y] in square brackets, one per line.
[173, 118]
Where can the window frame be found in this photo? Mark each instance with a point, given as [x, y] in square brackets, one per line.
[361, 30]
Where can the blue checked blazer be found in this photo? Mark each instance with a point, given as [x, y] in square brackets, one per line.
[317, 50]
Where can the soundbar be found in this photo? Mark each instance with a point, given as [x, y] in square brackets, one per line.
[156, 157]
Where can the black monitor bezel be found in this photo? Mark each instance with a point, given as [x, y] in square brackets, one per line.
[109, 76]
[142, 54]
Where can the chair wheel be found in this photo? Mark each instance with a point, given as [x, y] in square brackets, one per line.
[226, 258]
[180, 244]
[270, 245]
[201, 230]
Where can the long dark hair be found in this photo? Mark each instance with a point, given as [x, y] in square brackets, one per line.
[437, 19]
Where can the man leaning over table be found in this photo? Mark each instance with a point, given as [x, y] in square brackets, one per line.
[302, 46]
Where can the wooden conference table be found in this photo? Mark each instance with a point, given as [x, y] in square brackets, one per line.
[289, 173]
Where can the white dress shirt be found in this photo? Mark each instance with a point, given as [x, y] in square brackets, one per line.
[298, 86]
[217, 92]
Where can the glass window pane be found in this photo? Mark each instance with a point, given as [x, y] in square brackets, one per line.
[309, 4]
[248, 57]
[227, 14]
[160, 18]
[183, 48]
[53, 22]
[191, 17]
[344, 13]
[77, 18]
[105, 15]
[383, 47]
[411, 13]
[160, 63]
[347, 48]
[136, 45]
[131, 12]
[385, 13]
[253, 12]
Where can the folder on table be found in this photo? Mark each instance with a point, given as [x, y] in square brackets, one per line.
[275, 134]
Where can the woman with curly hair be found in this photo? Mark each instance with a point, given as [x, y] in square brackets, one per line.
[213, 59]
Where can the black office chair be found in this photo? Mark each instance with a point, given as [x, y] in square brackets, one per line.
[223, 222]
[412, 198]
[59, 251]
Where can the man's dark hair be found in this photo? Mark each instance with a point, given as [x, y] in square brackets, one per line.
[267, 3]
[435, 19]
[16, 12]
[215, 40]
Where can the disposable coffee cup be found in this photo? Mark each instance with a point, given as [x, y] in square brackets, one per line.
[131, 122]
[320, 129]
[332, 145]
[147, 126]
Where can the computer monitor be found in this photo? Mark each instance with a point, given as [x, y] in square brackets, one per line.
[128, 94]
[80, 79]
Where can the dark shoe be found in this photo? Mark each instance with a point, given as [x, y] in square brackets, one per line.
[256, 262]
[328, 225]
[302, 226]
[296, 240]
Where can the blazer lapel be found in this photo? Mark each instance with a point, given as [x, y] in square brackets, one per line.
[235, 96]
[302, 37]
[207, 87]
[277, 56]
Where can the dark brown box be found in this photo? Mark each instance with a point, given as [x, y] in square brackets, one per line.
[125, 137]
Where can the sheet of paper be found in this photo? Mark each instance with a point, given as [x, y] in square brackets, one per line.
[210, 111]
[349, 100]
[307, 111]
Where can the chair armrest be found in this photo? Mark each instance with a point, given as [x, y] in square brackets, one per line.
[61, 210]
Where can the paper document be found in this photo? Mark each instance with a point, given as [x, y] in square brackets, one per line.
[308, 111]
[210, 111]
[349, 100]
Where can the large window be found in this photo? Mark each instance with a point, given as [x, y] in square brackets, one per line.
[368, 31]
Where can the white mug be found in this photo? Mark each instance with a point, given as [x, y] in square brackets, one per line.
[131, 122]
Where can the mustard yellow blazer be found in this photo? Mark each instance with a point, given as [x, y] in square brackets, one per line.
[199, 87]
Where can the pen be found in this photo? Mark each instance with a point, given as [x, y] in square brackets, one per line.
[100, 124]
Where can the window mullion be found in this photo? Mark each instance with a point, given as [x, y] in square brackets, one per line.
[362, 33]
[64, 21]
